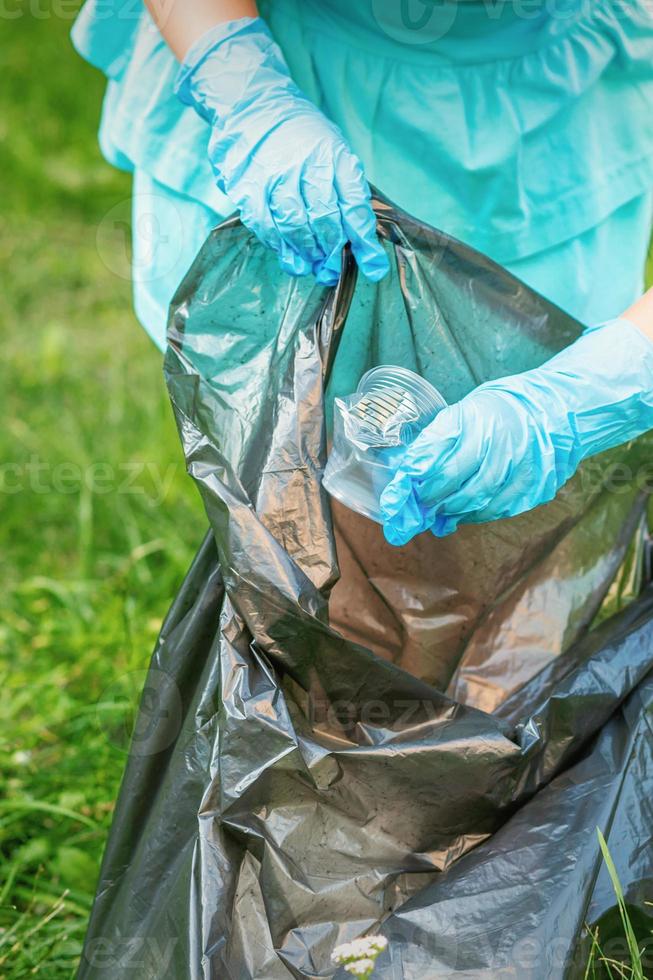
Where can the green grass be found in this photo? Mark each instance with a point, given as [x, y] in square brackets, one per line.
[99, 520]
[600, 965]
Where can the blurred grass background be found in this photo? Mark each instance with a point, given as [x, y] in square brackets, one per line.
[99, 520]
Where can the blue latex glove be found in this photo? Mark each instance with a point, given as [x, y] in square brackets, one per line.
[511, 444]
[284, 165]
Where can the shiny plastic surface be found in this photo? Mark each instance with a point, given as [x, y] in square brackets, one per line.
[340, 736]
[371, 429]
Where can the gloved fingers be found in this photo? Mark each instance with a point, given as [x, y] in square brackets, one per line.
[477, 493]
[442, 458]
[286, 239]
[444, 524]
[508, 484]
[459, 508]
[291, 262]
[521, 491]
[321, 202]
[260, 223]
[407, 523]
[299, 249]
[358, 218]
[449, 473]
[411, 504]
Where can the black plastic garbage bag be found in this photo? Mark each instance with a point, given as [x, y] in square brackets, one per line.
[340, 737]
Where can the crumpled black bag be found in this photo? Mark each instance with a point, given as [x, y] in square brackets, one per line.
[339, 737]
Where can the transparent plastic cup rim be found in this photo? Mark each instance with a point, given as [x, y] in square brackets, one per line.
[428, 399]
[389, 408]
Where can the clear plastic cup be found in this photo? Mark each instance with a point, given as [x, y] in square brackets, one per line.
[371, 429]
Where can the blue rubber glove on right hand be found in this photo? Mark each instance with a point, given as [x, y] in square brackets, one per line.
[285, 166]
[511, 444]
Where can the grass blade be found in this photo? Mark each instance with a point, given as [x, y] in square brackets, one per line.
[637, 970]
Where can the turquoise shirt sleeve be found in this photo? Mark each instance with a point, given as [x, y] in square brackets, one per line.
[105, 31]
[529, 136]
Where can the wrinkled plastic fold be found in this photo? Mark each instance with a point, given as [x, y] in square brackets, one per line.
[418, 741]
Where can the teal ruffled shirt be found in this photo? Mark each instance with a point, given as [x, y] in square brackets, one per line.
[517, 127]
